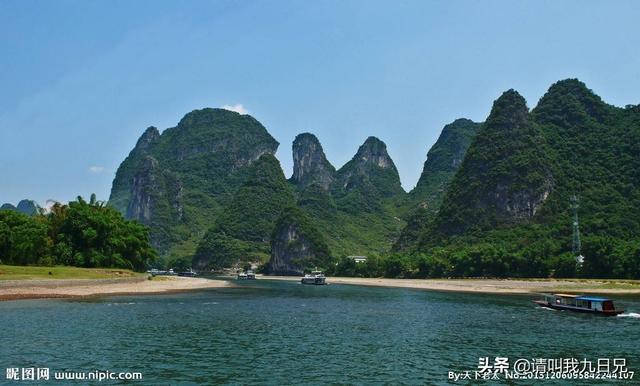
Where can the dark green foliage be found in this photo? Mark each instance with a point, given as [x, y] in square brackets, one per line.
[493, 199]
[358, 214]
[86, 234]
[573, 140]
[23, 239]
[179, 264]
[368, 178]
[306, 251]
[443, 160]
[611, 258]
[416, 224]
[200, 164]
[258, 203]
[505, 175]
[242, 232]
[346, 266]
[217, 250]
[318, 202]
[305, 227]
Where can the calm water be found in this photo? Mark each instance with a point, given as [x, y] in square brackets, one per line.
[282, 333]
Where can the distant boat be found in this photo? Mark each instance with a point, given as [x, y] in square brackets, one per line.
[157, 272]
[315, 278]
[189, 273]
[579, 303]
[249, 275]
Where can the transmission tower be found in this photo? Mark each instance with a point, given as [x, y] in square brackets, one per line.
[576, 230]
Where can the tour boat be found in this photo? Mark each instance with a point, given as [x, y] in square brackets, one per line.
[579, 303]
[157, 272]
[315, 278]
[249, 275]
[189, 273]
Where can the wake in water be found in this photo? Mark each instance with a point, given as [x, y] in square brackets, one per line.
[629, 315]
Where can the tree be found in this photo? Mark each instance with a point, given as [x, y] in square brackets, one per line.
[87, 234]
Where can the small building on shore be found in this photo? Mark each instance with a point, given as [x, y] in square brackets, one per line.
[358, 259]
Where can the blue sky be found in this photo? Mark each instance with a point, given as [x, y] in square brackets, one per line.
[81, 80]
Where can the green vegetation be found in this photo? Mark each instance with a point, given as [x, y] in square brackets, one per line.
[443, 161]
[507, 213]
[297, 245]
[493, 199]
[242, 231]
[358, 213]
[82, 234]
[505, 174]
[13, 272]
[178, 182]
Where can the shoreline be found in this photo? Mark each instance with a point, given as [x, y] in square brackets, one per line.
[85, 288]
[490, 286]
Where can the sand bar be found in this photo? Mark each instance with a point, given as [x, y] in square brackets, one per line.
[35, 289]
[502, 286]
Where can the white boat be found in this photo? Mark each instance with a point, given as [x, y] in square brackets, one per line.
[249, 275]
[157, 272]
[315, 278]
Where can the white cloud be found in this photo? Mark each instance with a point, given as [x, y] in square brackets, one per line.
[238, 108]
[96, 169]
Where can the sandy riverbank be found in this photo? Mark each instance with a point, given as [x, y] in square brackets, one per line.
[504, 286]
[34, 289]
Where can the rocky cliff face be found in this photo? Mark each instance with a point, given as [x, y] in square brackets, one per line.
[447, 153]
[508, 204]
[355, 207]
[242, 231]
[507, 173]
[178, 181]
[145, 189]
[122, 184]
[310, 165]
[371, 170]
[150, 137]
[296, 246]
[443, 160]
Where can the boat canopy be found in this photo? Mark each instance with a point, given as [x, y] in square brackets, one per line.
[566, 295]
[592, 299]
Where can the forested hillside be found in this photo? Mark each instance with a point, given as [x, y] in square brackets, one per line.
[507, 211]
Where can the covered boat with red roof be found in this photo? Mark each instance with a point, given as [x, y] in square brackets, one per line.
[579, 303]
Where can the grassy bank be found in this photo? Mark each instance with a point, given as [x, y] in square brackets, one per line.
[13, 272]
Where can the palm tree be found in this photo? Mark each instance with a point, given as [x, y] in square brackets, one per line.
[96, 203]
